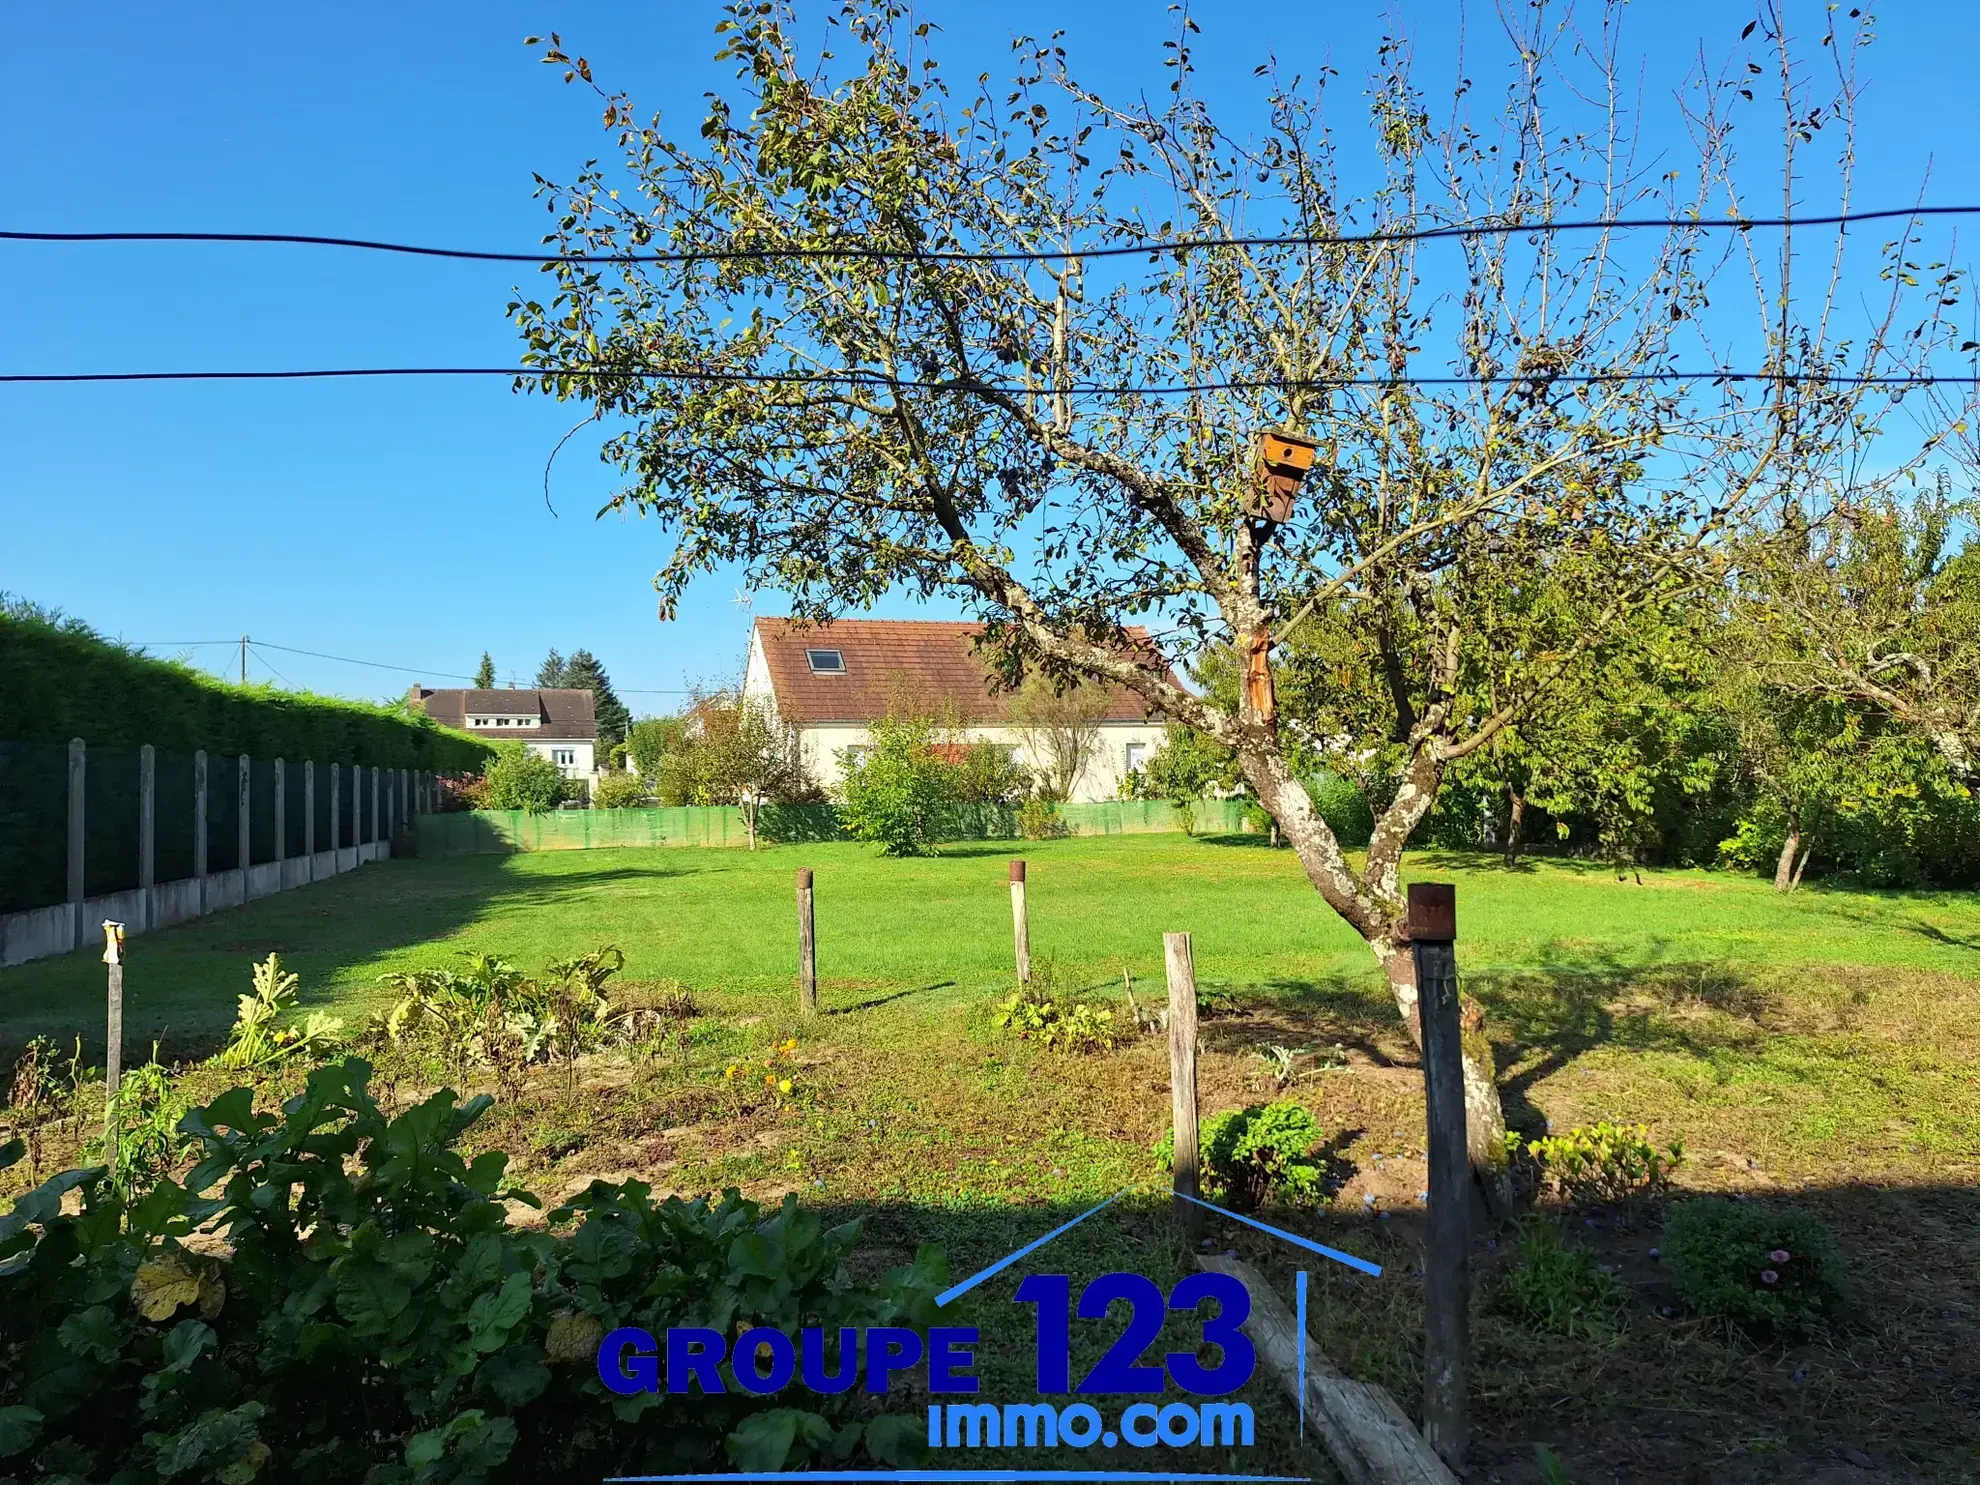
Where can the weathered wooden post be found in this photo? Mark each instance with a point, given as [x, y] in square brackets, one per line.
[1182, 1078]
[113, 1052]
[1447, 1254]
[1020, 924]
[807, 946]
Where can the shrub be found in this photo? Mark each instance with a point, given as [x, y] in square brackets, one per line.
[257, 1042]
[144, 1118]
[620, 791]
[1048, 1009]
[1038, 819]
[1264, 1152]
[381, 1321]
[517, 779]
[1554, 1287]
[1343, 807]
[1754, 1263]
[1602, 1163]
[898, 793]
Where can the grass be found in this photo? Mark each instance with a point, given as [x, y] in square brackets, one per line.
[1820, 1048]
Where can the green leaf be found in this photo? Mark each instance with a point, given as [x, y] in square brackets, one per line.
[492, 1316]
[515, 1376]
[92, 1333]
[19, 1428]
[763, 1441]
[186, 1342]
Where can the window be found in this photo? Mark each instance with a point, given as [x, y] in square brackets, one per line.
[563, 757]
[1136, 754]
[501, 721]
[826, 662]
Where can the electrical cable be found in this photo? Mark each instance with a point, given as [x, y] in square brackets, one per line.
[876, 254]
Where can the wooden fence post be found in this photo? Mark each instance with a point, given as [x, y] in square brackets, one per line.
[113, 1044]
[1020, 924]
[807, 946]
[1447, 1253]
[1182, 1078]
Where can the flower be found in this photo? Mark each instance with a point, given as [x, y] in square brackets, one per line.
[784, 1085]
[1768, 1276]
[1779, 1255]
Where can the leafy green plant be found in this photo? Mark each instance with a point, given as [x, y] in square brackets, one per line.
[518, 779]
[381, 1321]
[1548, 1463]
[621, 791]
[1754, 1263]
[1602, 1163]
[1555, 1287]
[1049, 1009]
[1038, 819]
[1266, 1152]
[142, 1141]
[43, 1089]
[257, 1042]
[897, 793]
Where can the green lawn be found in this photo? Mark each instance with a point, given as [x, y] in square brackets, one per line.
[1820, 1047]
[722, 920]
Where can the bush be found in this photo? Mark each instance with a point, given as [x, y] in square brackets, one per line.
[1557, 1288]
[257, 1042]
[382, 1321]
[1038, 819]
[1753, 1263]
[620, 791]
[1050, 1010]
[1342, 806]
[1601, 1164]
[517, 779]
[898, 794]
[1264, 1152]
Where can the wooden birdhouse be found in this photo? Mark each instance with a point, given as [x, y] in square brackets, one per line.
[1280, 461]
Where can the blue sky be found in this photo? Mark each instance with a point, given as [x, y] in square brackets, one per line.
[404, 522]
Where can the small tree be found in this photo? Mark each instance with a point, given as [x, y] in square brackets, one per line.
[484, 673]
[517, 779]
[897, 793]
[550, 674]
[1061, 729]
[650, 739]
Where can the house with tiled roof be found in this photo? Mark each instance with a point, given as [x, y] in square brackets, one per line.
[832, 682]
[560, 724]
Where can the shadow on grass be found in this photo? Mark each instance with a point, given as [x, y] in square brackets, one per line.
[182, 982]
[880, 1000]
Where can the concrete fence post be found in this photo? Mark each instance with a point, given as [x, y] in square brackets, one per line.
[309, 818]
[336, 823]
[374, 804]
[78, 755]
[199, 824]
[147, 833]
[241, 835]
[281, 819]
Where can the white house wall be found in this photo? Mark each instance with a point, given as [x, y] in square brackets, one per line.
[1101, 779]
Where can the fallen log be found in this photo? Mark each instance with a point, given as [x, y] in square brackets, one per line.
[1369, 1438]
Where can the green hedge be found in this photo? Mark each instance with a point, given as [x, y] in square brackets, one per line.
[59, 679]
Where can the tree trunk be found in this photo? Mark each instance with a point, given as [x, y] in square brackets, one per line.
[1802, 865]
[1515, 817]
[1484, 1115]
[1784, 868]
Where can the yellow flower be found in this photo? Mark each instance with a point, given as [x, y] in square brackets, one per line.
[785, 1086]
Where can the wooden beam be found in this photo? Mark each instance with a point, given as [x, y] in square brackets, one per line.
[1369, 1438]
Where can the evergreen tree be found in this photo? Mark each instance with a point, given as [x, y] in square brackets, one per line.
[550, 674]
[584, 673]
[484, 673]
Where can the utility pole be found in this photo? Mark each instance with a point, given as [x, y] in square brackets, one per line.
[244, 643]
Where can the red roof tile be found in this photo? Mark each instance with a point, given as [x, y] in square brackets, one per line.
[930, 662]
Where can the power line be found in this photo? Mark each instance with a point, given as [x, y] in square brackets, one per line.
[449, 675]
[1071, 389]
[1495, 228]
